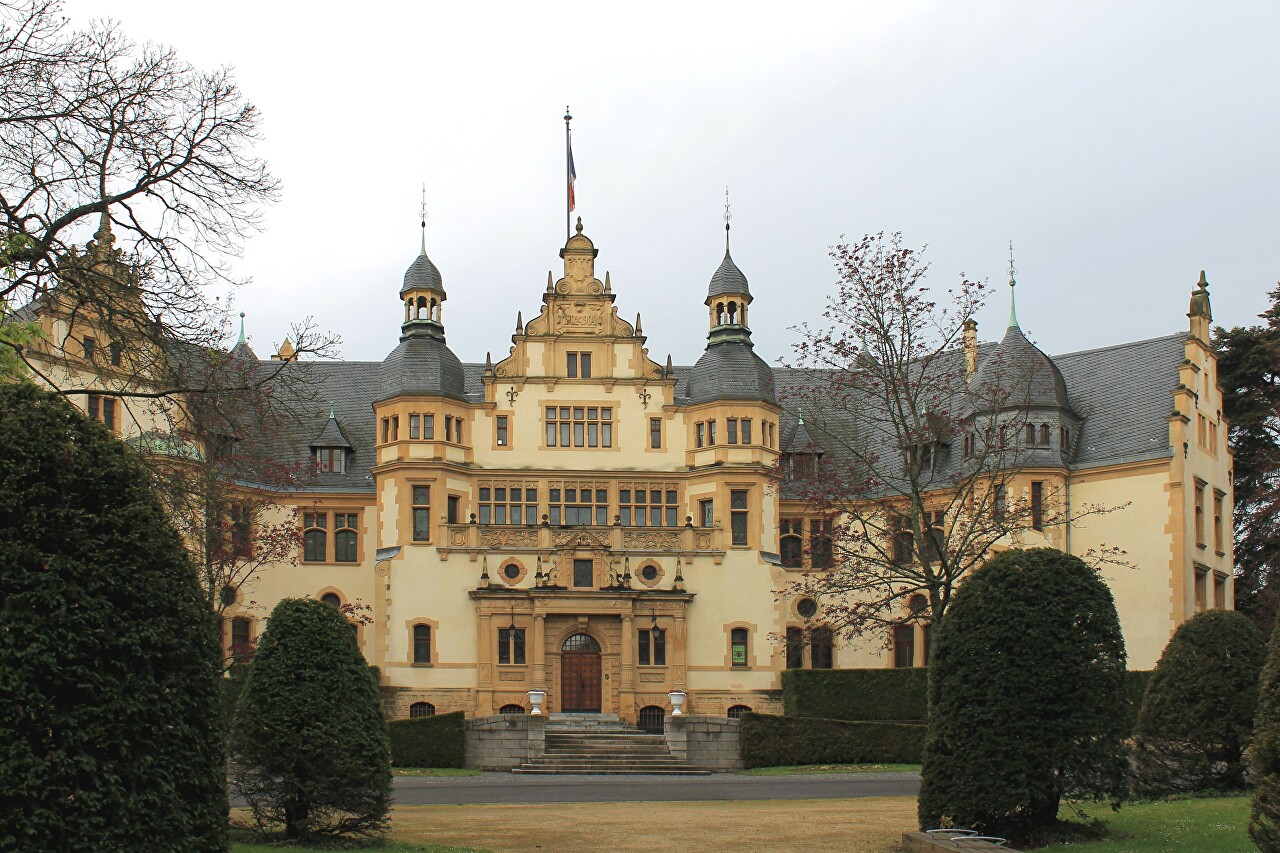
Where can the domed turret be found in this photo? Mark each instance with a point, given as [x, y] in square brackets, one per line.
[1018, 374]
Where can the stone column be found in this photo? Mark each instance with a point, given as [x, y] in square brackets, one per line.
[682, 644]
[540, 651]
[627, 692]
[484, 680]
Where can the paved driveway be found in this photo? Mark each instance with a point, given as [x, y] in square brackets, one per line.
[506, 788]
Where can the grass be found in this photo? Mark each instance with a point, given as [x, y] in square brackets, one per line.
[1208, 823]
[433, 771]
[800, 769]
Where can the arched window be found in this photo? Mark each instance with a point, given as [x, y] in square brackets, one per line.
[733, 312]
[822, 648]
[511, 709]
[422, 308]
[1031, 434]
[580, 643]
[315, 537]
[789, 543]
[719, 313]
[738, 647]
[651, 719]
[737, 711]
[345, 538]
[421, 709]
[422, 644]
[241, 640]
[795, 648]
[1044, 435]
[331, 599]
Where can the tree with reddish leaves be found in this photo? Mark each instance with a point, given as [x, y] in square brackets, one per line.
[922, 444]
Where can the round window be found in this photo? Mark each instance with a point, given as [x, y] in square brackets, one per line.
[228, 596]
[807, 607]
[511, 571]
[331, 599]
[649, 573]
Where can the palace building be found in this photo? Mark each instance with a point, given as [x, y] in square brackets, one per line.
[580, 518]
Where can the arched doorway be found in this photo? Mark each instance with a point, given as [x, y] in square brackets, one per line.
[580, 675]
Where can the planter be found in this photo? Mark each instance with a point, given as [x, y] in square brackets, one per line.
[536, 698]
[677, 702]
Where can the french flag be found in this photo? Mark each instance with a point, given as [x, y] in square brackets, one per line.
[572, 176]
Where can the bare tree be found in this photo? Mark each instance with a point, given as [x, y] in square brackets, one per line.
[915, 457]
[97, 131]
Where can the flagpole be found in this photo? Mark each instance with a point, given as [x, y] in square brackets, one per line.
[568, 187]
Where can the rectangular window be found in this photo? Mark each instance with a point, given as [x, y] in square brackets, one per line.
[738, 516]
[904, 646]
[934, 536]
[820, 550]
[1219, 591]
[579, 426]
[999, 502]
[1037, 504]
[386, 430]
[904, 543]
[315, 537]
[652, 648]
[746, 430]
[346, 538]
[422, 644]
[93, 405]
[502, 430]
[1200, 513]
[822, 648]
[702, 434]
[571, 368]
[1218, 504]
[453, 506]
[241, 640]
[429, 427]
[331, 459]
[731, 430]
[655, 433]
[584, 573]
[584, 365]
[707, 512]
[1201, 592]
[448, 427]
[790, 545]
[415, 427]
[421, 513]
[738, 647]
[507, 503]
[711, 433]
[795, 648]
[577, 504]
[395, 428]
[90, 347]
[648, 505]
[115, 351]
[511, 645]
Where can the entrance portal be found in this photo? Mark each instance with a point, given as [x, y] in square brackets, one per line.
[580, 675]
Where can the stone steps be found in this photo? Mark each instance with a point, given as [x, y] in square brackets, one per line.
[601, 744]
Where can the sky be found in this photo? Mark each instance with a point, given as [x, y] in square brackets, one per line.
[1121, 148]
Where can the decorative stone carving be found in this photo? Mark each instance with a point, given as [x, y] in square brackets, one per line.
[501, 538]
[653, 677]
[458, 538]
[703, 541]
[511, 676]
[585, 317]
[579, 539]
[651, 539]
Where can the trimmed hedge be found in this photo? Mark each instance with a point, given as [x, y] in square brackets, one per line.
[766, 740]
[439, 741]
[1135, 687]
[856, 694]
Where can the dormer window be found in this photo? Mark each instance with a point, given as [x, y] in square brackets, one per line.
[332, 460]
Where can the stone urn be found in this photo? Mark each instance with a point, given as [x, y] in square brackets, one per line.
[536, 698]
[677, 702]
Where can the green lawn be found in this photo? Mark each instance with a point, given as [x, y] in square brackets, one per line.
[792, 770]
[433, 771]
[1211, 824]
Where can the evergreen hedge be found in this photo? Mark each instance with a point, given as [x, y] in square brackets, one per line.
[1264, 754]
[439, 741]
[771, 741]
[1135, 687]
[1026, 697]
[856, 694]
[309, 743]
[1197, 715]
[110, 736]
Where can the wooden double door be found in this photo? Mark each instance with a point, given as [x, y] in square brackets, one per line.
[580, 675]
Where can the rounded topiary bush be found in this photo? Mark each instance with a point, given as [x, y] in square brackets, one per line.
[310, 751]
[110, 737]
[1197, 714]
[1264, 754]
[1026, 702]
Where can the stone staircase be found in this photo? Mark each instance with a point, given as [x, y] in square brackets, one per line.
[600, 744]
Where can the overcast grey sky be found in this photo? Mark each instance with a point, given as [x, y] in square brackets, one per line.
[1122, 147]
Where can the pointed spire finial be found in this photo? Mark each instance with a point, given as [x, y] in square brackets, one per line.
[670, 370]
[727, 216]
[578, 227]
[1013, 284]
[639, 331]
[1203, 282]
[519, 322]
[423, 212]
[241, 339]
[608, 285]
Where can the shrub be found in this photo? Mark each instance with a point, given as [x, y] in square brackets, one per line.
[110, 737]
[856, 694]
[770, 741]
[1264, 754]
[1197, 714]
[439, 741]
[1135, 687]
[1026, 696]
[309, 743]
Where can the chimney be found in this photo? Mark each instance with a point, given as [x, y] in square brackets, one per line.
[970, 348]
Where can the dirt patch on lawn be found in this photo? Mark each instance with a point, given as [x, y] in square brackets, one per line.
[872, 824]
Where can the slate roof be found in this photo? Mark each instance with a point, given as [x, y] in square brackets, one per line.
[730, 370]
[727, 279]
[1122, 393]
[422, 274]
[331, 436]
[422, 364]
[1019, 373]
